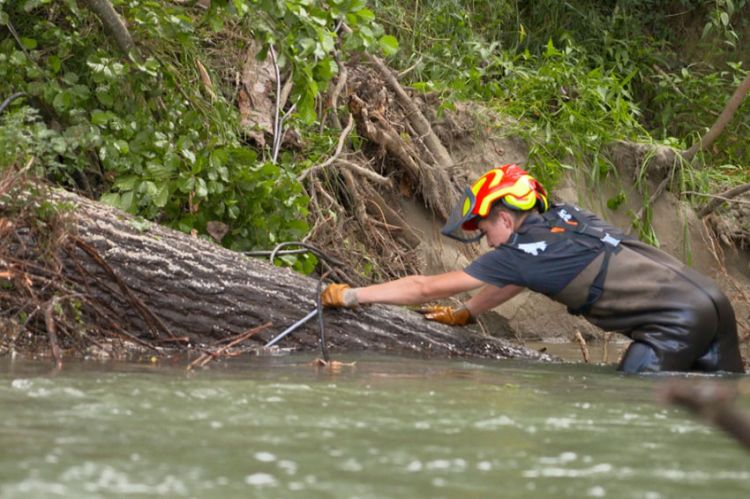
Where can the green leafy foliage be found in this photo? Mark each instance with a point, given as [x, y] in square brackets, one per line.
[306, 33]
[568, 112]
[581, 74]
[451, 44]
[142, 135]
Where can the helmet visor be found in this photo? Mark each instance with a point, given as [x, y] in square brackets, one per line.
[462, 222]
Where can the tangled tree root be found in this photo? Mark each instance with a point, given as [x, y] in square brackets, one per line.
[353, 198]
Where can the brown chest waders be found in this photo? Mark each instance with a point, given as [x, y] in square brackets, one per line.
[679, 320]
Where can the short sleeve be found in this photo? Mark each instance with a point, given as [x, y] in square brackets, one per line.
[498, 267]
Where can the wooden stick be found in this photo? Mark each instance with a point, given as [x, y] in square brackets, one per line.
[718, 200]
[722, 121]
[582, 344]
[365, 172]
[49, 321]
[339, 147]
[209, 356]
[605, 349]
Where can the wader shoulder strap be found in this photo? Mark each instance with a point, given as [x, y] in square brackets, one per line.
[564, 224]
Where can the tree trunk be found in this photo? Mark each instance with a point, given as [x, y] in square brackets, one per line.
[159, 282]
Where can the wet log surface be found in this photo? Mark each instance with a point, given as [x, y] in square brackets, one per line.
[159, 283]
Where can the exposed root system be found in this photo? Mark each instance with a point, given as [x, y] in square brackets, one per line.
[353, 194]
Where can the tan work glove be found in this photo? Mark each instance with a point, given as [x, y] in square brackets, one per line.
[338, 295]
[447, 315]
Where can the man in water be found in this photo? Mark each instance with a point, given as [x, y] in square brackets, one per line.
[678, 319]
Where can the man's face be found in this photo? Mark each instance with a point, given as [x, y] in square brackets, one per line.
[497, 228]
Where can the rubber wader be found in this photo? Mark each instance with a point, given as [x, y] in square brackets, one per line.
[679, 320]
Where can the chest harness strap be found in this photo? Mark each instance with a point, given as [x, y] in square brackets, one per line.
[565, 225]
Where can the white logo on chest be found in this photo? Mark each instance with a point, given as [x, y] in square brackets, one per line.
[533, 248]
[565, 215]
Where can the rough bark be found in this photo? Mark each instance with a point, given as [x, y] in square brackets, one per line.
[197, 289]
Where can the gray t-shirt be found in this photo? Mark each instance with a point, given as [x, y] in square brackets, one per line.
[548, 261]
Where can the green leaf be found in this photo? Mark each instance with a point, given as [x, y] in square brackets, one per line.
[306, 109]
[126, 183]
[111, 198]
[28, 43]
[201, 190]
[63, 101]
[70, 78]
[99, 117]
[126, 201]
[54, 63]
[365, 14]
[121, 146]
[162, 196]
[59, 145]
[188, 155]
[149, 188]
[388, 44]
[140, 224]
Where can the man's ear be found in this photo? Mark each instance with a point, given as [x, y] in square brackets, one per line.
[507, 219]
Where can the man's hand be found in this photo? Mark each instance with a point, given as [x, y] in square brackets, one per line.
[447, 315]
[338, 295]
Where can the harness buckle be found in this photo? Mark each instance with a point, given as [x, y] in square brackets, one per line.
[612, 241]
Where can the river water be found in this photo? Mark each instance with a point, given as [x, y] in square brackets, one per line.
[384, 427]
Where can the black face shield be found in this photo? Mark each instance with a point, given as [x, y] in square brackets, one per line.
[462, 222]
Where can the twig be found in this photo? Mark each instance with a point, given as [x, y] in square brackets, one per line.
[337, 152]
[285, 91]
[719, 199]
[49, 321]
[113, 25]
[340, 82]
[209, 356]
[371, 175]
[416, 117]
[117, 328]
[582, 344]
[360, 212]
[605, 349]
[671, 83]
[276, 121]
[13, 32]
[409, 69]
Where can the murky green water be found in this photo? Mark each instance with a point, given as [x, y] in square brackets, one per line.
[387, 427]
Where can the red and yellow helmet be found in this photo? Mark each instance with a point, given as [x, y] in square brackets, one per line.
[509, 184]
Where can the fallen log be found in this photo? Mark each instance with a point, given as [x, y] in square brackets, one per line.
[153, 283]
